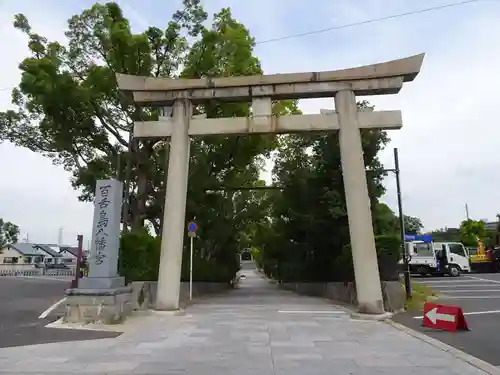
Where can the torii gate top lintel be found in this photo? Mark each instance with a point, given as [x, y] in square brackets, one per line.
[376, 79]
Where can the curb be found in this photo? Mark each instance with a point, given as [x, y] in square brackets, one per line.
[470, 359]
[373, 317]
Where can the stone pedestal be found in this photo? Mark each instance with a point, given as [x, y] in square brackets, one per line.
[101, 282]
[98, 306]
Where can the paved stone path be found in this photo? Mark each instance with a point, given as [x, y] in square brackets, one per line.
[257, 329]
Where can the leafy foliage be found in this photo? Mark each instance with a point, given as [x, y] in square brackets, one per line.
[308, 231]
[389, 252]
[471, 231]
[413, 225]
[446, 234]
[9, 233]
[140, 260]
[139, 256]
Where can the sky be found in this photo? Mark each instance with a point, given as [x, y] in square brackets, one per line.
[449, 142]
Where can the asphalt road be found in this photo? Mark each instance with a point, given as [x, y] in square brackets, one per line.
[22, 302]
[479, 297]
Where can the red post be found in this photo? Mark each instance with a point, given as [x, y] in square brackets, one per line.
[74, 282]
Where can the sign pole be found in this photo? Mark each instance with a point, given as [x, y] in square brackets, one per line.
[191, 270]
[192, 227]
[74, 282]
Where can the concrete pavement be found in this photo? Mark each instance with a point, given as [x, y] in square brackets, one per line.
[23, 299]
[479, 297]
[256, 329]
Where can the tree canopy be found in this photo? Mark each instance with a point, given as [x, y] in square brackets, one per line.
[413, 225]
[307, 233]
[9, 233]
[471, 231]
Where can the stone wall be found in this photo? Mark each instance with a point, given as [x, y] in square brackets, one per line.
[392, 291]
[144, 292]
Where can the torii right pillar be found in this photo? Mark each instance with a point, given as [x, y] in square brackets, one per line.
[364, 254]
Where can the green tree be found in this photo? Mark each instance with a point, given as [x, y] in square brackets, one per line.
[471, 231]
[413, 225]
[309, 226]
[9, 233]
[446, 234]
[69, 108]
[385, 222]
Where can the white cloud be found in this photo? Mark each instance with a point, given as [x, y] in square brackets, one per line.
[447, 145]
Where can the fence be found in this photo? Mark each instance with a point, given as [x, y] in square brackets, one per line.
[37, 272]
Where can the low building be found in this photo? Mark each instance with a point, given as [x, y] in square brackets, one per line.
[52, 255]
[21, 254]
[491, 225]
[69, 255]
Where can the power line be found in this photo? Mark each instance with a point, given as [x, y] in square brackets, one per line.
[372, 20]
[360, 23]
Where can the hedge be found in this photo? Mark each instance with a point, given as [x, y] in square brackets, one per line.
[140, 259]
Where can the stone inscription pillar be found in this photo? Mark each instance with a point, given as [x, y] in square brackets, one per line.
[105, 241]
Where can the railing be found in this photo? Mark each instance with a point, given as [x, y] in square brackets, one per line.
[37, 272]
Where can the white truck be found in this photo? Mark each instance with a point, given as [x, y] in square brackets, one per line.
[427, 258]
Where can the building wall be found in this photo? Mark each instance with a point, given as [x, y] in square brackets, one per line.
[491, 225]
[12, 253]
[68, 258]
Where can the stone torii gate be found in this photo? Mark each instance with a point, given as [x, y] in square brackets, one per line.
[343, 85]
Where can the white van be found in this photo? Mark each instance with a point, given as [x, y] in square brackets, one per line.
[425, 258]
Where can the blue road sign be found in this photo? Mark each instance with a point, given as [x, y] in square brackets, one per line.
[418, 237]
[192, 227]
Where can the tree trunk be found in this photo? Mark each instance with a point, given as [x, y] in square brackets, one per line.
[126, 184]
[142, 156]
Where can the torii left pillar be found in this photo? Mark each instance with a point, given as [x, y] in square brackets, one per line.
[174, 213]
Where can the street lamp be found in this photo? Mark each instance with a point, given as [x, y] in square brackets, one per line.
[406, 257]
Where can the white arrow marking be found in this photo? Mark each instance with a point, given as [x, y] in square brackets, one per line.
[434, 316]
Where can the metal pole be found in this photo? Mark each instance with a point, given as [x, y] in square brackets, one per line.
[74, 282]
[402, 227]
[467, 211]
[191, 269]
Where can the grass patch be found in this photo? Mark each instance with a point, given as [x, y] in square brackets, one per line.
[420, 294]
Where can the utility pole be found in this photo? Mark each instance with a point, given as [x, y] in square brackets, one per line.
[406, 259]
[467, 211]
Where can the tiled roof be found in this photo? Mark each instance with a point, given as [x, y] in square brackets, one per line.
[48, 249]
[26, 248]
[70, 249]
